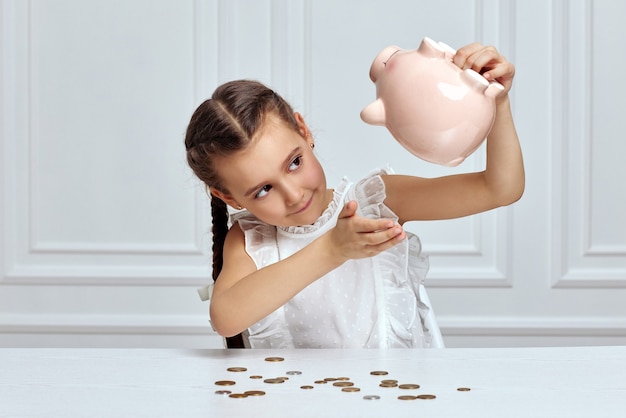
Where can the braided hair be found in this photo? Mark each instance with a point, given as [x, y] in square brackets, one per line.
[219, 127]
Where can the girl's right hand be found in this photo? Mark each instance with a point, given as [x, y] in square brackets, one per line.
[357, 237]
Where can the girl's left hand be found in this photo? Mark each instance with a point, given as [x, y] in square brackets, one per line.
[487, 61]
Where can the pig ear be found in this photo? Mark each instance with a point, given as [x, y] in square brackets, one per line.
[374, 113]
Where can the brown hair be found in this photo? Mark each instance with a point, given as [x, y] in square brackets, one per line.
[222, 125]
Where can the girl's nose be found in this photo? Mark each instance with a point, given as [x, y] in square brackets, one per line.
[293, 194]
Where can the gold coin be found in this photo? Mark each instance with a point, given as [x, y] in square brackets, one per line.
[225, 383]
[379, 373]
[255, 376]
[274, 359]
[306, 387]
[223, 392]
[409, 386]
[343, 384]
[330, 379]
[350, 389]
[254, 393]
[407, 397]
[274, 380]
[237, 395]
[464, 389]
[426, 396]
[237, 369]
[321, 382]
[343, 378]
[387, 381]
[388, 385]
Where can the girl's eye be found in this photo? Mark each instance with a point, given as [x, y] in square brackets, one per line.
[295, 163]
[264, 190]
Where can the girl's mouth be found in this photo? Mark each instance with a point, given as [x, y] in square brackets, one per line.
[305, 207]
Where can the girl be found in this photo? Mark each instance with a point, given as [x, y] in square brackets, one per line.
[308, 266]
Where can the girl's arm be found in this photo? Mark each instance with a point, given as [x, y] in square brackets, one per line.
[502, 181]
[244, 295]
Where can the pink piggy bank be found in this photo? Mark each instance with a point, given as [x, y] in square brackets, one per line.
[434, 109]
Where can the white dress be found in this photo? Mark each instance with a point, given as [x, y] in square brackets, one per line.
[366, 303]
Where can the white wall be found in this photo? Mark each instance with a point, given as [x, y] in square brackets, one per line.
[105, 232]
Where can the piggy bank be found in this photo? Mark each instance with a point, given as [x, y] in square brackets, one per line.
[435, 110]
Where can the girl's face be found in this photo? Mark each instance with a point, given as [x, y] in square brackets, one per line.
[277, 177]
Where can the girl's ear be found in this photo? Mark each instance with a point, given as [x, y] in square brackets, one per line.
[302, 127]
[225, 198]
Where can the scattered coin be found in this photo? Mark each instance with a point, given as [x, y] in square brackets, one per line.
[294, 373]
[407, 397]
[225, 383]
[371, 397]
[389, 381]
[223, 392]
[238, 395]
[350, 389]
[254, 393]
[237, 369]
[343, 378]
[275, 380]
[379, 373]
[464, 389]
[255, 376]
[425, 396]
[343, 384]
[306, 387]
[330, 379]
[274, 359]
[321, 382]
[388, 385]
[409, 386]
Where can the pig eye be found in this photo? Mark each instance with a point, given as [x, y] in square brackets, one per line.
[394, 53]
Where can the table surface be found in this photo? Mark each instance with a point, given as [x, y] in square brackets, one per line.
[503, 382]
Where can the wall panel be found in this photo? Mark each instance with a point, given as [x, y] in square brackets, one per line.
[105, 233]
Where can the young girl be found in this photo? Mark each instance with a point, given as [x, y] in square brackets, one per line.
[308, 266]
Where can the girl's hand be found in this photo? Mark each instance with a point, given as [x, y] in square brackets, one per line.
[487, 61]
[357, 237]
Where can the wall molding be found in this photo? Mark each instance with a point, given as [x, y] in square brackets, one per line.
[534, 327]
[577, 262]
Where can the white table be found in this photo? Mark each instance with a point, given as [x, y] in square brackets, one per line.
[515, 382]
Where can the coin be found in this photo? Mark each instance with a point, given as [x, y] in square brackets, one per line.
[321, 382]
[389, 381]
[350, 389]
[343, 383]
[237, 369]
[388, 385]
[274, 359]
[225, 383]
[274, 380]
[330, 379]
[409, 386]
[306, 387]
[407, 397]
[254, 393]
[379, 373]
[223, 392]
[343, 378]
[255, 376]
[426, 396]
[294, 373]
[371, 397]
[464, 389]
[237, 395]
